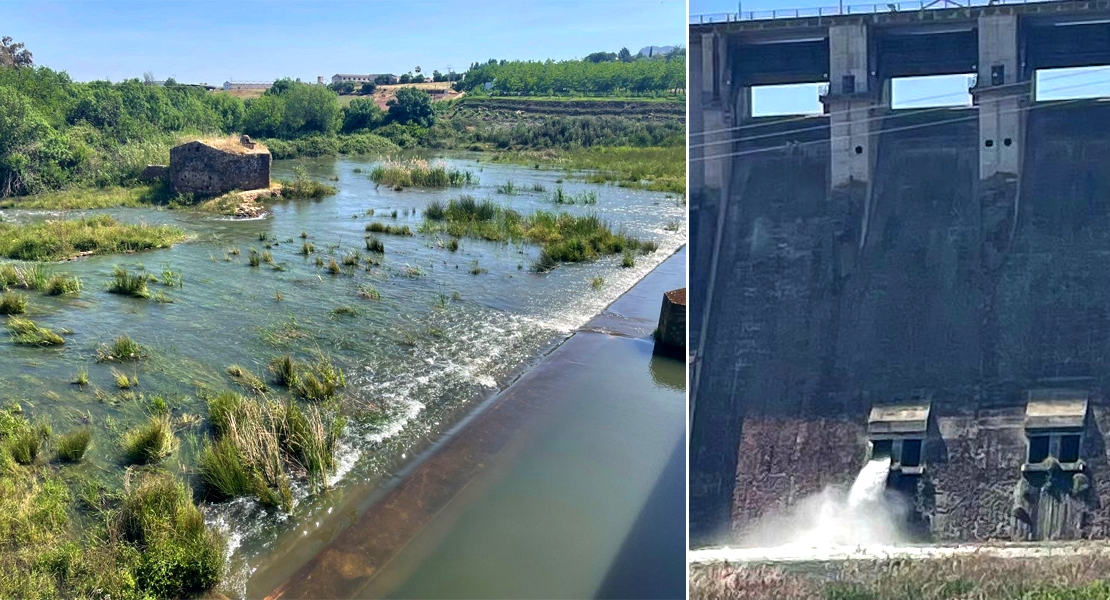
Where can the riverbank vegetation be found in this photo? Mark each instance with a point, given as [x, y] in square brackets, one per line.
[63, 239]
[562, 236]
[978, 576]
[59, 134]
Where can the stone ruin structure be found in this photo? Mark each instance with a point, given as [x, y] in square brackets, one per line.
[207, 169]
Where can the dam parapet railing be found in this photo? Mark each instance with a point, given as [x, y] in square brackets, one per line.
[847, 9]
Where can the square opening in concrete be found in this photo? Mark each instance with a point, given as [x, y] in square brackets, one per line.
[882, 449]
[1038, 449]
[1069, 448]
[911, 453]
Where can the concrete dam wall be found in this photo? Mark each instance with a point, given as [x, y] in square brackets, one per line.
[955, 323]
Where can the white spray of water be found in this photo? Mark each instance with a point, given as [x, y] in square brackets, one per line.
[870, 483]
[863, 515]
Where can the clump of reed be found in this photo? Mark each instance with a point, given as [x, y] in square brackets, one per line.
[373, 244]
[317, 381]
[257, 442]
[561, 197]
[124, 382]
[597, 282]
[284, 370]
[33, 276]
[352, 258]
[419, 173]
[538, 187]
[508, 188]
[344, 311]
[61, 284]
[71, 447]
[13, 303]
[123, 348]
[82, 377]
[23, 441]
[333, 267]
[246, 378]
[377, 227]
[128, 284]
[151, 442]
[628, 260]
[27, 333]
[255, 259]
[453, 245]
[435, 211]
[369, 292]
[307, 248]
[303, 186]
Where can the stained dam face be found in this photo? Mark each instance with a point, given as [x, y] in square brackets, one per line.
[979, 298]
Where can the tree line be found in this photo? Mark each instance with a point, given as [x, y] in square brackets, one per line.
[597, 75]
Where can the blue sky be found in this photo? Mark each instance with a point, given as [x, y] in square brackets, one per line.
[917, 92]
[254, 40]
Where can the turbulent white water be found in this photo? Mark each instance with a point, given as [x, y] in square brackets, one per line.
[869, 484]
[834, 518]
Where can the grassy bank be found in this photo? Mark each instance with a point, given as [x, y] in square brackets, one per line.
[90, 198]
[59, 240]
[967, 577]
[563, 237]
[62, 535]
[657, 168]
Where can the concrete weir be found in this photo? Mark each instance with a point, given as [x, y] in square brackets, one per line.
[568, 484]
[867, 262]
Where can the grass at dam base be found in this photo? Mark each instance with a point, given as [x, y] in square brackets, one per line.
[1079, 572]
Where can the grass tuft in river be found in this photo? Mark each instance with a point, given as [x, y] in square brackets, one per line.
[419, 173]
[13, 303]
[246, 379]
[303, 186]
[71, 447]
[151, 442]
[27, 333]
[61, 284]
[121, 349]
[128, 284]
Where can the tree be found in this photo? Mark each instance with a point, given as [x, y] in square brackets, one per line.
[624, 55]
[406, 78]
[362, 114]
[342, 87]
[280, 87]
[368, 88]
[169, 82]
[437, 76]
[417, 69]
[418, 79]
[148, 78]
[412, 105]
[600, 57]
[383, 79]
[14, 54]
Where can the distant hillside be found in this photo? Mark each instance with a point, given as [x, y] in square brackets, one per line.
[655, 50]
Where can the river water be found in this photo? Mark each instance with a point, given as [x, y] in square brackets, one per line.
[437, 342]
